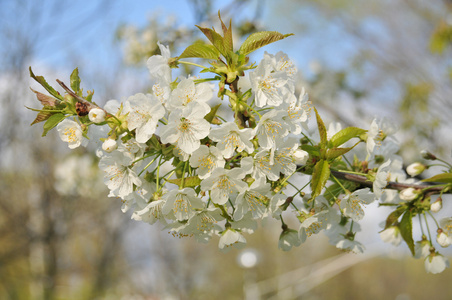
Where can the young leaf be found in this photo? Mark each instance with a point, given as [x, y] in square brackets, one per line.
[345, 135]
[188, 181]
[260, 39]
[42, 116]
[52, 121]
[312, 150]
[216, 40]
[43, 82]
[201, 50]
[75, 82]
[336, 152]
[227, 35]
[445, 177]
[394, 216]
[322, 128]
[406, 230]
[45, 99]
[320, 176]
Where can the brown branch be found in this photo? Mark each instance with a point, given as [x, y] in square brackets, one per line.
[362, 180]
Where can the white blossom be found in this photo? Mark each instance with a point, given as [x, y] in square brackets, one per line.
[119, 177]
[71, 132]
[408, 194]
[231, 237]
[229, 138]
[206, 159]
[381, 179]
[158, 64]
[144, 112]
[435, 263]
[415, 169]
[187, 93]
[391, 235]
[351, 203]
[268, 84]
[254, 198]
[181, 203]
[352, 246]
[289, 238]
[224, 184]
[186, 128]
[109, 145]
[96, 115]
[271, 129]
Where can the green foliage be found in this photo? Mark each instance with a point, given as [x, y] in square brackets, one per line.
[320, 176]
[201, 50]
[191, 181]
[260, 39]
[43, 82]
[345, 135]
[406, 229]
[52, 121]
[445, 177]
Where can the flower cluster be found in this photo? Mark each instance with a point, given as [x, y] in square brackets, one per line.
[174, 157]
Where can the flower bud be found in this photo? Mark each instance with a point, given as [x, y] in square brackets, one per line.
[408, 194]
[415, 169]
[109, 145]
[442, 239]
[300, 157]
[96, 115]
[427, 155]
[437, 205]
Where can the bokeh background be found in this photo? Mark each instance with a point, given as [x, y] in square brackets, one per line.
[61, 237]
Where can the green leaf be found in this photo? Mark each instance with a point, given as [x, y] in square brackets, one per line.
[52, 121]
[75, 82]
[260, 39]
[345, 135]
[406, 230]
[188, 181]
[213, 111]
[216, 39]
[322, 129]
[336, 152]
[312, 150]
[320, 176]
[394, 216]
[42, 116]
[201, 50]
[445, 177]
[43, 82]
[227, 35]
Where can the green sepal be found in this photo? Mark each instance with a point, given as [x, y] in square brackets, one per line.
[445, 177]
[191, 181]
[322, 129]
[320, 176]
[200, 50]
[52, 121]
[394, 217]
[406, 230]
[75, 82]
[211, 115]
[43, 82]
[260, 39]
[345, 135]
